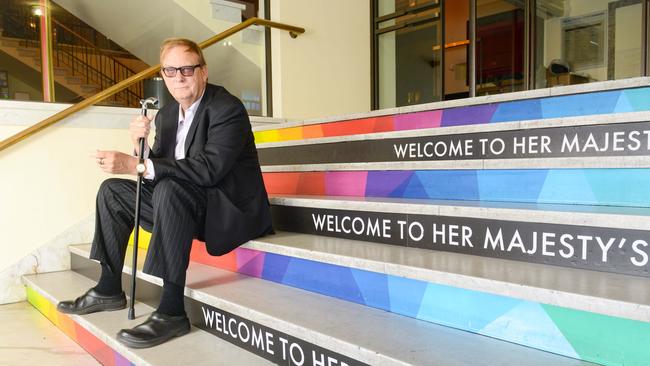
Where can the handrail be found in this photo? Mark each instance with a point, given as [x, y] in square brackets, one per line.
[293, 31]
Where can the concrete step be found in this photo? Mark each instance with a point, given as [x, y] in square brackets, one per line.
[10, 42]
[29, 52]
[619, 96]
[58, 71]
[77, 79]
[319, 326]
[88, 88]
[541, 306]
[266, 121]
[618, 295]
[96, 332]
[610, 239]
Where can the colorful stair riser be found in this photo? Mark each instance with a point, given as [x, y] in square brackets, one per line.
[611, 187]
[604, 102]
[573, 333]
[93, 345]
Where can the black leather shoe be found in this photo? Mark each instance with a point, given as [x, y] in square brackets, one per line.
[91, 302]
[157, 329]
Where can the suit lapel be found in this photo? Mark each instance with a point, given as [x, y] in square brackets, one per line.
[198, 118]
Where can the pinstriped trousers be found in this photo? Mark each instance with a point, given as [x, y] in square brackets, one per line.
[173, 210]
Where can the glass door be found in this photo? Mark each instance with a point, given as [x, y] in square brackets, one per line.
[408, 52]
[499, 46]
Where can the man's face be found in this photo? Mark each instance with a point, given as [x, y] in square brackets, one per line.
[185, 89]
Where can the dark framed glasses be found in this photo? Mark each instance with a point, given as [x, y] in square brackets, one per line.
[170, 72]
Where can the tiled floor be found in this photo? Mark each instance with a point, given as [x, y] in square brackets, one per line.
[28, 338]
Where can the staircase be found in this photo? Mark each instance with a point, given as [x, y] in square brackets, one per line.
[499, 230]
[32, 58]
[78, 64]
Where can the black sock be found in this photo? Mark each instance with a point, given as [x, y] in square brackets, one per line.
[109, 282]
[171, 301]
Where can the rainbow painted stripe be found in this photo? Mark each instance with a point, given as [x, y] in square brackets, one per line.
[93, 345]
[561, 186]
[579, 334]
[603, 102]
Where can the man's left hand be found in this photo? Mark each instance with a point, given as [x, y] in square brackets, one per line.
[115, 162]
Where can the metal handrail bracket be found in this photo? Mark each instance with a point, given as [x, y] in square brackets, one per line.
[106, 93]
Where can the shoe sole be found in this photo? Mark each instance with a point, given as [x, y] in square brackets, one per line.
[131, 344]
[95, 308]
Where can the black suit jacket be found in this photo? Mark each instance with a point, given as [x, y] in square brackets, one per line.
[220, 156]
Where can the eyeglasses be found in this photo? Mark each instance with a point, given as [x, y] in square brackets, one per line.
[170, 72]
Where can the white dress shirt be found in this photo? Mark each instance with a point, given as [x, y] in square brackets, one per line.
[184, 123]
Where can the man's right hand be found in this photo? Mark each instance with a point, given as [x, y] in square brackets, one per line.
[139, 128]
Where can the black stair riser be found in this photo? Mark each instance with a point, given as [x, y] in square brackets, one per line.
[273, 345]
[561, 245]
[620, 139]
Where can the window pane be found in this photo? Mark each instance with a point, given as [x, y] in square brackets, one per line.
[499, 47]
[385, 7]
[409, 65]
[587, 41]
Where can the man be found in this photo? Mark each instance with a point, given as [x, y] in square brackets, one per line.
[202, 180]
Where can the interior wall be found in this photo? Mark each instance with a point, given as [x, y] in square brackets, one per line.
[49, 181]
[326, 70]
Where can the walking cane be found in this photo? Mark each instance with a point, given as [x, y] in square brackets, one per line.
[144, 103]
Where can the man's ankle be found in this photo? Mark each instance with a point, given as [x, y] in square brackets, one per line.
[171, 301]
[109, 283]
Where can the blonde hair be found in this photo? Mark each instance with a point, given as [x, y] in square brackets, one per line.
[189, 45]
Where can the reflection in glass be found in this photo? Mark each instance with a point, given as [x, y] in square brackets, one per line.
[587, 41]
[409, 65]
[410, 18]
[87, 61]
[456, 43]
[499, 47]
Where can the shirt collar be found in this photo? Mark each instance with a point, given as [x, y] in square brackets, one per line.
[190, 110]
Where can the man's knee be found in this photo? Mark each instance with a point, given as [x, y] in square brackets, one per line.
[167, 189]
[110, 186]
